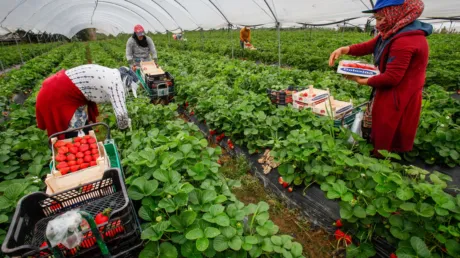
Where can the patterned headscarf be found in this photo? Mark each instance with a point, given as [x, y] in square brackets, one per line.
[399, 16]
[130, 79]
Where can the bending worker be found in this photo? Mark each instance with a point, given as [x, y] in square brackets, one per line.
[401, 54]
[139, 48]
[69, 98]
[245, 36]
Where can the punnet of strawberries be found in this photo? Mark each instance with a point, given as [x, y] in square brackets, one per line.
[78, 154]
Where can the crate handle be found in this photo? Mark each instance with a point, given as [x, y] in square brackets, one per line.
[108, 136]
[100, 242]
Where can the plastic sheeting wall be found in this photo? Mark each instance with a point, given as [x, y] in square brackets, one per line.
[67, 17]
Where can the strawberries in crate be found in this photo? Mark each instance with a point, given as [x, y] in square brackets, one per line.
[76, 154]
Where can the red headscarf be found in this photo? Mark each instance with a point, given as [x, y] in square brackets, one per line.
[399, 16]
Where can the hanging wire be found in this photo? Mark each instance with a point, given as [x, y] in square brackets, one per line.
[94, 11]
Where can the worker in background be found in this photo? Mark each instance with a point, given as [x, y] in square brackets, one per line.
[179, 36]
[69, 98]
[401, 54]
[245, 36]
[139, 48]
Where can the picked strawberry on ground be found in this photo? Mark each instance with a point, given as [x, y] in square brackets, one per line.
[290, 189]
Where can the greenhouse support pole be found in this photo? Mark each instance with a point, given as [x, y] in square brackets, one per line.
[230, 39]
[19, 49]
[201, 36]
[279, 44]
[1, 64]
[169, 38]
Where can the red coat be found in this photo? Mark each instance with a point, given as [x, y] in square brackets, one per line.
[57, 102]
[398, 98]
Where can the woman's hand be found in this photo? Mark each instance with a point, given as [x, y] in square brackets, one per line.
[338, 53]
[359, 80]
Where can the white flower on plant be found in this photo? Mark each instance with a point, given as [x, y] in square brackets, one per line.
[447, 117]
[442, 125]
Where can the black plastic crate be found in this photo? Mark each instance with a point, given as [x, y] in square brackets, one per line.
[119, 243]
[160, 85]
[282, 97]
[27, 230]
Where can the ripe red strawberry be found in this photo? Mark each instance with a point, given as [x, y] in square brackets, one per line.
[74, 168]
[86, 137]
[87, 158]
[94, 151]
[93, 146]
[89, 240]
[71, 157]
[84, 141]
[91, 140]
[55, 206]
[392, 255]
[77, 145]
[93, 163]
[95, 157]
[280, 180]
[348, 239]
[59, 144]
[192, 113]
[290, 189]
[88, 152]
[69, 145]
[79, 155]
[212, 132]
[77, 139]
[62, 165]
[73, 150]
[339, 234]
[84, 165]
[71, 163]
[338, 223]
[103, 217]
[219, 162]
[80, 161]
[87, 188]
[84, 147]
[63, 150]
[285, 184]
[64, 171]
[61, 157]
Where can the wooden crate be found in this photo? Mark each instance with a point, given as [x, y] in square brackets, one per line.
[56, 182]
[150, 68]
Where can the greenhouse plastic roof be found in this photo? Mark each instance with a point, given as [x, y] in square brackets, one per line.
[67, 17]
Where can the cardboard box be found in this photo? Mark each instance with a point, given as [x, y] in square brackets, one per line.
[333, 108]
[310, 96]
[357, 68]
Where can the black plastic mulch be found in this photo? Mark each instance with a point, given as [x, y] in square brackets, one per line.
[312, 204]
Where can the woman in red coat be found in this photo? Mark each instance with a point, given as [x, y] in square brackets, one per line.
[401, 54]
